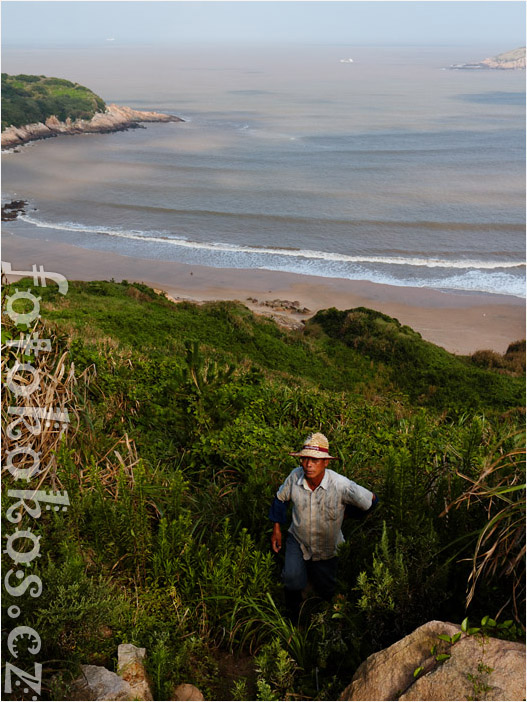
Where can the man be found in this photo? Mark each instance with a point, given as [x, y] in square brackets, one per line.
[320, 497]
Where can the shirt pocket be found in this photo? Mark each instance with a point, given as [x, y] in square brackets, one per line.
[333, 509]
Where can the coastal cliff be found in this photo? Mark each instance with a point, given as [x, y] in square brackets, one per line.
[509, 60]
[116, 118]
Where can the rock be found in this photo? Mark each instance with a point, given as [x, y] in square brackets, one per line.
[281, 306]
[98, 683]
[116, 118]
[284, 305]
[384, 675]
[478, 665]
[131, 682]
[185, 691]
[130, 667]
[479, 668]
[11, 210]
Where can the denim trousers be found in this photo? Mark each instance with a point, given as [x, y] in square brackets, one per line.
[297, 571]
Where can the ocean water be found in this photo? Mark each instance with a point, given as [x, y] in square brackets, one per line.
[389, 169]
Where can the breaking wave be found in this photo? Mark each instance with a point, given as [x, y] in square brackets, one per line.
[492, 276]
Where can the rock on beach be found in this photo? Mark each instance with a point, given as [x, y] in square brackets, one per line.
[11, 210]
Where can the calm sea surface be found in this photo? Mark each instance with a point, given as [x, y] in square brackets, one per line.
[389, 169]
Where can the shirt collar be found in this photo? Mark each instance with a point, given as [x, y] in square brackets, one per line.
[302, 481]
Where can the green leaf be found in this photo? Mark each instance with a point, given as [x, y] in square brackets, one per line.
[464, 624]
[473, 630]
[456, 637]
[445, 637]
[442, 657]
[433, 650]
[506, 624]
[485, 620]
[418, 671]
[491, 622]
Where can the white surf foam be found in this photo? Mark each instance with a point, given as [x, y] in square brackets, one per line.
[170, 238]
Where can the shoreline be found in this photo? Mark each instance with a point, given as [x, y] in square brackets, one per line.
[116, 118]
[460, 322]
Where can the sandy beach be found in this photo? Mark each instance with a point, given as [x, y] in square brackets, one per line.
[459, 322]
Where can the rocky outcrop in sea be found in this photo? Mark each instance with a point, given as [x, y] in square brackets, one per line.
[507, 61]
[11, 210]
[117, 118]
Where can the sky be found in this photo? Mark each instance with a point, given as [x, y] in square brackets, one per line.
[349, 22]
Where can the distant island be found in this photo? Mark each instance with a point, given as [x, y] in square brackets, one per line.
[39, 107]
[507, 61]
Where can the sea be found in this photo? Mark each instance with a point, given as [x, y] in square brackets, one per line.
[364, 163]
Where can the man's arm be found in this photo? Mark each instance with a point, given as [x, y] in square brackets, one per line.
[276, 538]
[358, 513]
[278, 515]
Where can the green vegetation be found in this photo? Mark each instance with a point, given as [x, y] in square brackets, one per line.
[183, 416]
[27, 99]
[426, 373]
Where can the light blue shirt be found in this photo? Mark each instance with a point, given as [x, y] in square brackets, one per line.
[318, 514]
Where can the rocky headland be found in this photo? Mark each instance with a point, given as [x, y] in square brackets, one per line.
[116, 118]
[507, 61]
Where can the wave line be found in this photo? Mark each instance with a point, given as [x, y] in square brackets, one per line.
[168, 238]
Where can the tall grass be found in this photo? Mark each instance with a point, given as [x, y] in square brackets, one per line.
[499, 550]
[183, 417]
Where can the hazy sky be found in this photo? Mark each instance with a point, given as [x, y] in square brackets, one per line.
[423, 22]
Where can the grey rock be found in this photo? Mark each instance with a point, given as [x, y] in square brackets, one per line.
[98, 683]
[128, 653]
[477, 666]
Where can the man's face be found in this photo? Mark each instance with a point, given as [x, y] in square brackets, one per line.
[314, 468]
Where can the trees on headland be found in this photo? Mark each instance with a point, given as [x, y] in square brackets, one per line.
[27, 99]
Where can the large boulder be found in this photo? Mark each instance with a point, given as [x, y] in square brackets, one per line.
[479, 667]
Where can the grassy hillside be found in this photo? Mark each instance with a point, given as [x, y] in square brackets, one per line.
[183, 418]
[426, 373]
[27, 99]
[359, 351]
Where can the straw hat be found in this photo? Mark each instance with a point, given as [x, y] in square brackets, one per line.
[315, 446]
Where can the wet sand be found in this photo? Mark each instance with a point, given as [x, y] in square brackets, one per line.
[459, 322]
